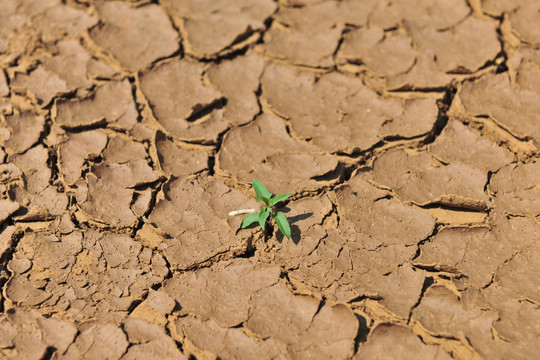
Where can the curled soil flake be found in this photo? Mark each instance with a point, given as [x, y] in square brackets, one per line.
[528, 74]
[459, 143]
[63, 71]
[240, 89]
[515, 109]
[6, 209]
[443, 313]
[40, 85]
[111, 104]
[338, 113]
[399, 342]
[473, 252]
[25, 129]
[299, 163]
[178, 97]
[212, 28]
[422, 180]
[135, 36]
[76, 149]
[177, 161]
[108, 194]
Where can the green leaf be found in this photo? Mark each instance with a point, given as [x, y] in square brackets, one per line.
[263, 215]
[250, 219]
[283, 224]
[278, 198]
[261, 191]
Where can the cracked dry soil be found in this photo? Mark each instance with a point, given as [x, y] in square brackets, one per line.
[408, 131]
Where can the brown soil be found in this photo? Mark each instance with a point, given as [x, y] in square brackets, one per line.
[407, 131]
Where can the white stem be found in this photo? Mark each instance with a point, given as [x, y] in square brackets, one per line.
[241, 211]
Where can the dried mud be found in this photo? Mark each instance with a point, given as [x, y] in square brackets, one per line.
[407, 131]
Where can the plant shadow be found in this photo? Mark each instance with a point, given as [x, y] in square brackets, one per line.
[296, 233]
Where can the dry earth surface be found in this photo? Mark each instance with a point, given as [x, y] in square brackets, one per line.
[407, 131]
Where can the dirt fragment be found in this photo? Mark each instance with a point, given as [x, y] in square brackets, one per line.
[111, 104]
[4, 87]
[457, 318]
[418, 118]
[475, 253]
[192, 218]
[413, 180]
[521, 20]
[458, 143]
[38, 198]
[215, 28]
[338, 113]
[383, 220]
[386, 55]
[150, 341]
[155, 308]
[6, 209]
[423, 75]
[398, 342]
[97, 341]
[519, 318]
[6, 238]
[25, 129]
[135, 36]
[41, 85]
[515, 278]
[432, 13]
[296, 321]
[90, 276]
[221, 292]
[239, 90]
[208, 336]
[75, 149]
[513, 108]
[177, 161]
[176, 94]
[29, 335]
[516, 189]
[27, 22]
[456, 49]
[310, 35]
[305, 217]
[528, 75]
[61, 72]
[299, 163]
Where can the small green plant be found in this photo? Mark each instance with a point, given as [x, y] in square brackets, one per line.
[266, 196]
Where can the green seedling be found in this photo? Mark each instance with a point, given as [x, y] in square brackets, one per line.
[268, 209]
